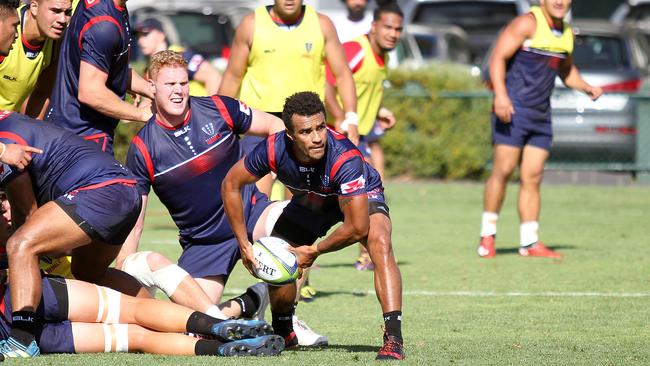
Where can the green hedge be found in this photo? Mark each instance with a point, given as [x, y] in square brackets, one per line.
[435, 136]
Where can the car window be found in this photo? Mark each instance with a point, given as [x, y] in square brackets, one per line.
[205, 34]
[477, 16]
[428, 45]
[600, 52]
[640, 12]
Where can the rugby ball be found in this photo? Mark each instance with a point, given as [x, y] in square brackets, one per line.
[276, 264]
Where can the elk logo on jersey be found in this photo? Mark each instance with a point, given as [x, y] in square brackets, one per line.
[353, 186]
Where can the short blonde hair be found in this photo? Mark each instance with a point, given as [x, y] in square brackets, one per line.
[165, 59]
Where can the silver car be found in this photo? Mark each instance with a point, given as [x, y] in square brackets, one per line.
[614, 58]
[480, 19]
[421, 44]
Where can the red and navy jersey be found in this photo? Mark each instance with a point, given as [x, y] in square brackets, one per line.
[342, 171]
[98, 34]
[186, 165]
[68, 162]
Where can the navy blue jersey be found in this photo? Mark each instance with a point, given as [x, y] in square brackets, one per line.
[98, 34]
[186, 165]
[342, 171]
[68, 162]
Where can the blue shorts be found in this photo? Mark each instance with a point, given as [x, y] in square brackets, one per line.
[202, 260]
[528, 127]
[302, 226]
[106, 213]
[56, 335]
[375, 134]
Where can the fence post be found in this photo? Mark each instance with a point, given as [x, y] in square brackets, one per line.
[643, 142]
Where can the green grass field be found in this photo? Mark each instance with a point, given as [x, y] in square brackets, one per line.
[591, 308]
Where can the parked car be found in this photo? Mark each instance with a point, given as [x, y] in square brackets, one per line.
[480, 19]
[616, 59]
[205, 26]
[421, 44]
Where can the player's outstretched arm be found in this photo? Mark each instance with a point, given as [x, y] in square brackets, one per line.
[355, 226]
[138, 85]
[238, 60]
[231, 188]
[209, 76]
[572, 79]
[264, 124]
[18, 156]
[94, 93]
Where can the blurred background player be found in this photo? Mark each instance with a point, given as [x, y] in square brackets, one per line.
[528, 55]
[93, 74]
[183, 153]
[331, 183]
[367, 57]
[30, 67]
[279, 50]
[355, 23]
[204, 78]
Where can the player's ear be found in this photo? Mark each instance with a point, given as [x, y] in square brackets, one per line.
[152, 86]
[288, 132]
[33, 6]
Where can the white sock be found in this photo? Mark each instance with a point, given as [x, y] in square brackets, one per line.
[215, 312]
[528, 233]
[489, 223]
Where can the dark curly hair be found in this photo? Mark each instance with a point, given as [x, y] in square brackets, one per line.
[387, 7]
[7, 6]
[303, 104]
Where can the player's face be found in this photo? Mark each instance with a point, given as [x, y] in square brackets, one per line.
[356, 7]
[52, 16]
[287, 9]
[386, 31]
[309, 137]
[557, 9]
[171, 93]
[8, 32]
[151, 42]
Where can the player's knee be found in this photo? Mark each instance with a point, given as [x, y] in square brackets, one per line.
[116, 337]
[157, 261]
[19, 245]
[380, 247]
[109, 305]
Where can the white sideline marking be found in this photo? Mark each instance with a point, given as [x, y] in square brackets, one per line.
[490, 294]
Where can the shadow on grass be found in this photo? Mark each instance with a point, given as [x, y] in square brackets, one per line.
[515, 250]
[321, 294]
[353, 348]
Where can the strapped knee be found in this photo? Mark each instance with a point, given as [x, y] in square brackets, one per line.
[167, 278]
[136, 265]
[116, 337]
[109, 305]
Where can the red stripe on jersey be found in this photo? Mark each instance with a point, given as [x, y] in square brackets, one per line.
[145, 155]
[271, 152]
[4, 114]
[14, 137]
[338, 136]
[223, 110]
[342, 159]
[96, 139]
[108, 183]
[176, 127]
[95, 20]
[91, 3]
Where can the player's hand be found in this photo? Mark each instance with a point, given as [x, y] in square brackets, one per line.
[306, 255]
[594, 92]
[386, 118]
[503, 108]
[353, 134]
[248, 258]
[18, 156]
[350, 126]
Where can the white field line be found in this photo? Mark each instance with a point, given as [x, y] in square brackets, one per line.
[488, 294]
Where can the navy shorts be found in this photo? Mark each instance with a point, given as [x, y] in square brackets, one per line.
[56, 334]
[302, 226]
[202, 260]
[106, 213]
[528, 127]
[375, 134]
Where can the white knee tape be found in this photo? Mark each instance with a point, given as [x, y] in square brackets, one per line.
[137, 266]
[109, 305]
[116, 337]
[274, 214]
[169, 278]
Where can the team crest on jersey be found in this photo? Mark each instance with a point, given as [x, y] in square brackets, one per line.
[353, 186]
[308, 46]
[208, 129]
[325, 179]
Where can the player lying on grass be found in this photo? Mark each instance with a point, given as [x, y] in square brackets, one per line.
[80, 317]
[331, 183]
